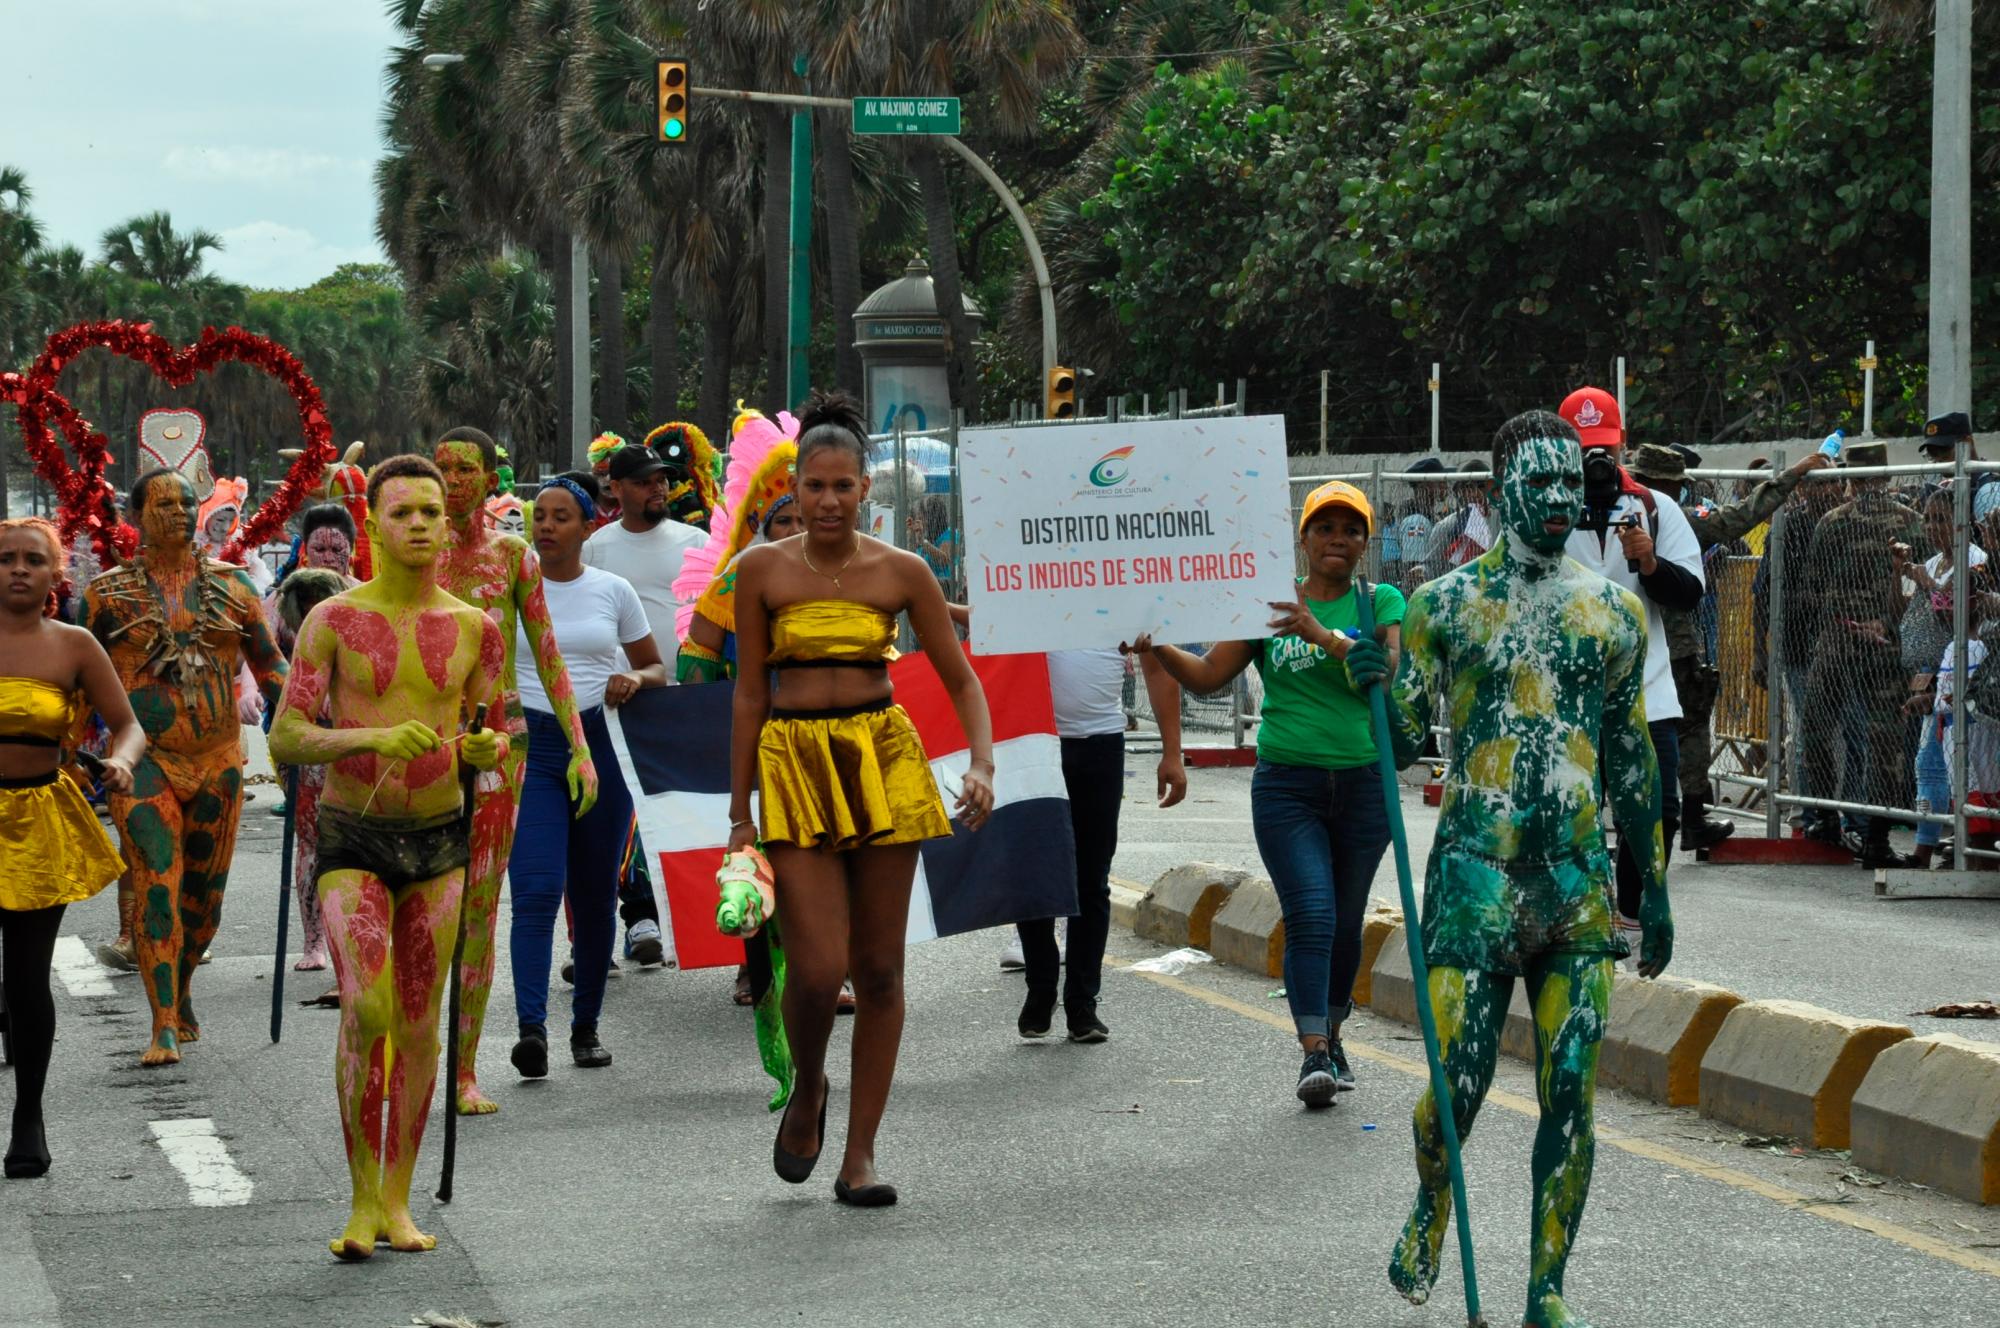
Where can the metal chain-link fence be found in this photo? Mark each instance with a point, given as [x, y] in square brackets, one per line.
[1815, 626]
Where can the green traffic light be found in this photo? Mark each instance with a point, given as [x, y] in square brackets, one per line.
[673, 129]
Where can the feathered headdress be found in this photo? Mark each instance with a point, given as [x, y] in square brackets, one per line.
[601, 448]
[760, 467]
[683, 446]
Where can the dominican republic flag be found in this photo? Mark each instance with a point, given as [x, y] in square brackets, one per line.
[673, 744]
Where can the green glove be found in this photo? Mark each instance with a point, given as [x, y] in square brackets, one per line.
[1367, 664]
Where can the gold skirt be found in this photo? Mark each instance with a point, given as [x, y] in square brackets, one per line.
[844, 780]
[52, 848]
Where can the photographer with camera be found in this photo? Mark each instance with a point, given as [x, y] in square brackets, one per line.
[1641, 540]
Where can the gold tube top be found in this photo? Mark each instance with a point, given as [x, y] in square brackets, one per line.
[34, 713]
[831, 632]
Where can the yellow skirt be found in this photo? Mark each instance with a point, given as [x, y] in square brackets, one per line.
[52, 848]
[845, 780]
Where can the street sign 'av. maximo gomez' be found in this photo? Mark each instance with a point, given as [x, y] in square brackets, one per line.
[906, 115]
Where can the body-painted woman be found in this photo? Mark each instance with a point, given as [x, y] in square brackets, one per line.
[1540, 664]
[178, 627]
[394, 664]
[500, 575]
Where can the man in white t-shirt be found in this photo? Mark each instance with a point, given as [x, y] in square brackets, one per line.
[645, 547]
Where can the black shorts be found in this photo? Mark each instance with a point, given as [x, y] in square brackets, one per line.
[400, 850]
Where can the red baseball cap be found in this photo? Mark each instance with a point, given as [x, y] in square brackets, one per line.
[1593, 412]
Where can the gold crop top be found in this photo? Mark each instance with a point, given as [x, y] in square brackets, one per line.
[830, 633]
[34, 713]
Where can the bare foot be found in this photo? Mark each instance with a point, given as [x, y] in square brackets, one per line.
[311, 963]
[190, 1027]
[400, 1230]
[357, 1241]
[472, 1102]
[164, 1051]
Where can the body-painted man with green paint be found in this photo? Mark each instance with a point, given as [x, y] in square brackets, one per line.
[1540, 663]
[178, 627]
[499, 574]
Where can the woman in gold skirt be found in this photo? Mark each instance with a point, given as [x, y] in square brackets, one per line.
[845, 790]
[53, 852]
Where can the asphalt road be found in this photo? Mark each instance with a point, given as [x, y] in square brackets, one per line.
[1166, 1177]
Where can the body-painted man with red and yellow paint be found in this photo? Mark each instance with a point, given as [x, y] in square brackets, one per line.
[500, 575]
[394, 664]
[178, 627]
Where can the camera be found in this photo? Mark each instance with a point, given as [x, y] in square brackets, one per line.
[1601, 491]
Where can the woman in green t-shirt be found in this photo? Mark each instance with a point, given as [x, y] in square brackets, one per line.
[1316, 798]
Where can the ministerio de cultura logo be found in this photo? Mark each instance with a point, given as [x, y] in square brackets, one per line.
[1111, 469]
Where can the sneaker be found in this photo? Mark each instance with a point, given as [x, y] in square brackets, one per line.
[1085, 1026]
[569, 969]
[1037, 1014]
[643, 945]
[586, 1050]
[1011, 958]
[1316, 1081]
[531, 1053]
[1343, 1076]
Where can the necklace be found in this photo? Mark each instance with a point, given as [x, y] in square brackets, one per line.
[833, 576]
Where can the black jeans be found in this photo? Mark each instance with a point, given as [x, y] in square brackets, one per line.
[1094, 773]
[1667, 747]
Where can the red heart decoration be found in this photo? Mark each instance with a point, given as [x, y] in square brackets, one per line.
[86, 497]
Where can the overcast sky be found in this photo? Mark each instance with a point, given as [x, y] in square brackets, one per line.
[256, 119]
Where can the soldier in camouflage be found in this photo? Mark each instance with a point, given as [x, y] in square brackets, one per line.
[1665, 469]
[1851, 602]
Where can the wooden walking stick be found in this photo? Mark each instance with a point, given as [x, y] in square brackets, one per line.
[1413, 933]
[284, 900]
[466, 777]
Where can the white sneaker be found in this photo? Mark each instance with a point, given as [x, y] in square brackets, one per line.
[1012, 960]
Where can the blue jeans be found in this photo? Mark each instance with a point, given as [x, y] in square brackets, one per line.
[1321, 834]
[554, 850]
[1933, 783]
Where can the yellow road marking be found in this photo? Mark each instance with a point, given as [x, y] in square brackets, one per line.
[1840, 1214]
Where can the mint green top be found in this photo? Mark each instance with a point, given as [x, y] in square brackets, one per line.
[1312, 714]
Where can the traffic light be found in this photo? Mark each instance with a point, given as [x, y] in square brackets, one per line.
[1061, 403]
[674, 89]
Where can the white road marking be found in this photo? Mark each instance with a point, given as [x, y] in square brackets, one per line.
[79, 970]
[203, 1161]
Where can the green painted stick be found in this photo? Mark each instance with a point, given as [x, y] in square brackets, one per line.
[1420, 978]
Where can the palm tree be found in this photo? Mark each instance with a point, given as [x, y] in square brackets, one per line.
[1001, 53]
[147, 247]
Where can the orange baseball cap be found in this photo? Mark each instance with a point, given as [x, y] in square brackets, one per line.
[1337, 493]
[1593, 413]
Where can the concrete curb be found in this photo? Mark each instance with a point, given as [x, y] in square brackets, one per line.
[1920, 1109]
[1180, 909]
[1788, 1068]
[1249, 931]
[1659, 1033]
[1929, 1111]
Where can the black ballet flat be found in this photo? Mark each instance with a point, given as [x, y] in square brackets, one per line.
[877, 1195]
[792, 1168]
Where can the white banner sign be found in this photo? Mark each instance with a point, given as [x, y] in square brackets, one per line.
[1088, 535]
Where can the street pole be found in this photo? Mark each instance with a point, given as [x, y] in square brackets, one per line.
[1951, 210]
[579, 350]
[1044, 287]
[1436, 370]
[798, 373]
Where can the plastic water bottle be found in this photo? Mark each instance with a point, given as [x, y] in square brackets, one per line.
[1831, 447]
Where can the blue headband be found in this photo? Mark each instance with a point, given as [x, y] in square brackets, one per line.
[764, 526]
[583, 503]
